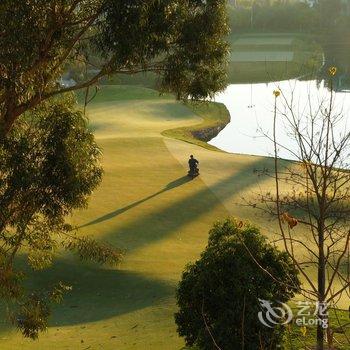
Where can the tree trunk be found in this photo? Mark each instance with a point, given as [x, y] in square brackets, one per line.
[321, 291]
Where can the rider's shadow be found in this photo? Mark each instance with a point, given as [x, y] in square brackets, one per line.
[174, 184]
[168, 187]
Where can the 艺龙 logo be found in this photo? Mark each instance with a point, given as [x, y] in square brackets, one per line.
[271, 315]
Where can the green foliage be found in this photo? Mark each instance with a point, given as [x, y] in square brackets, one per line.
[277, 16]
[90, 250]
[32, 316]
[282, 16]
[33, 312]
[337, 45]
[327, 21]
[49, 165]
[218, 295]
[182, 41]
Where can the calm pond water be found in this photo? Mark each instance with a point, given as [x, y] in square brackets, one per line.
[251, 109]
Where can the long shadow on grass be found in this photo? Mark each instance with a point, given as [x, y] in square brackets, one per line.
[157, 225]
[97, 293]
[102, 293]
[111, 215]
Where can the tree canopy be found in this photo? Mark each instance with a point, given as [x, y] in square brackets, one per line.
[50, 164]
[181, 40]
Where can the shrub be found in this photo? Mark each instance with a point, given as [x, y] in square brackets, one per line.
[218, 296]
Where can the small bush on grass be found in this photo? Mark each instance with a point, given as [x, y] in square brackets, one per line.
[218, 296]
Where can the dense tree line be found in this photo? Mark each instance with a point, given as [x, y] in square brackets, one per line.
[288, 17]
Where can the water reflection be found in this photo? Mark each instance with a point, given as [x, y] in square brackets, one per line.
[251, 110]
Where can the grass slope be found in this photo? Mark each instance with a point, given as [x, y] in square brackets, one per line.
[145, 205]
[215, 117]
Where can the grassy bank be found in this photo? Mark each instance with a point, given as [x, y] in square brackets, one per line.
[215, 117]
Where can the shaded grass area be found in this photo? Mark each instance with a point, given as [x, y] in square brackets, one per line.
[107, 93]
[149, 79]
[215, 117]
[98, 293]
[115, 213]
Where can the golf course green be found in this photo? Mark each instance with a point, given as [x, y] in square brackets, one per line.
[148, 207]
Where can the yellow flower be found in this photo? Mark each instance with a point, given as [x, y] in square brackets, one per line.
[332, 71]
[277, 93]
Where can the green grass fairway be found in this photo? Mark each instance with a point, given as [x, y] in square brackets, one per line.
[147, 206]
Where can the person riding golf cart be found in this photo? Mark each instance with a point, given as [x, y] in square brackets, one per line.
[193, 165]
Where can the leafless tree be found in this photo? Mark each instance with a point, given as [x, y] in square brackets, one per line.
[312, 192]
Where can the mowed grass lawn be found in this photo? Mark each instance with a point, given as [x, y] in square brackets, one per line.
[146, 206]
